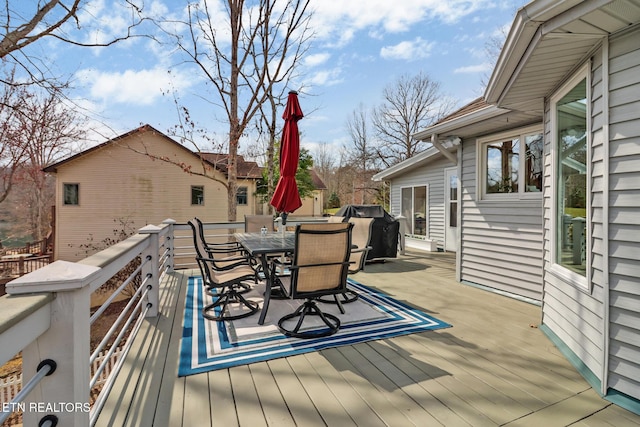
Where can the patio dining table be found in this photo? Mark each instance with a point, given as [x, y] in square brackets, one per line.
[263, 247]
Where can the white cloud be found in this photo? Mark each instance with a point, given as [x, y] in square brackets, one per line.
[316, 59]
[133, 87]
[408, 50]
[327, 77]
[338, 21]
[472, 69]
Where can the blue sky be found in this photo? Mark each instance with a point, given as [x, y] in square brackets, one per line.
[360, 47]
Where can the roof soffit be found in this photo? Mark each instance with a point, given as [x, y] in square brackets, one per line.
[546, 44]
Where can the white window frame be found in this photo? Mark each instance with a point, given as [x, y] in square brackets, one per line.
[579, 281]
[409, 233]
[519, 133]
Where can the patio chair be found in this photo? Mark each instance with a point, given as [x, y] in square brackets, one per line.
[360, 247]
[225, 255]
[361, 239]
[229, 281]
[320, 267]
[228, 249]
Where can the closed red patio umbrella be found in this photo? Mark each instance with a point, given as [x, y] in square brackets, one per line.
[286, 198]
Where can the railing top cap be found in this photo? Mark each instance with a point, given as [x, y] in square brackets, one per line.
[55, 277]
[150, 229]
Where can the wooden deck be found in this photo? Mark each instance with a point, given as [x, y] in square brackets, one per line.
[493, 367]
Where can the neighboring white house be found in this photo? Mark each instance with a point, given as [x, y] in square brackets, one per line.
[549, 174]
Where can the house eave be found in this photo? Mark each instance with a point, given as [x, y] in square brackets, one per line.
[563, 33]
[398, 169]
[445, 128]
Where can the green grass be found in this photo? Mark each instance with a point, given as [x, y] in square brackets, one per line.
[576, 212]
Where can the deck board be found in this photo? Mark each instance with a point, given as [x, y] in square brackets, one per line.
[493, 367]
[274, 407]
[359, 411]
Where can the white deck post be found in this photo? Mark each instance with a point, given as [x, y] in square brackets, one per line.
[170, 243]
[151, 268]
[65, 392]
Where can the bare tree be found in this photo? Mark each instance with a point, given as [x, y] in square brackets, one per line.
[25, 24]
[492, 48]
[410, 104]
[12, 151]
[324, 161]
[362, 154]
[49, 128]
[245, 61]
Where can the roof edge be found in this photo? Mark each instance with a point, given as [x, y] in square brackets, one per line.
[461, 121]
[524, 35]
[406, 164]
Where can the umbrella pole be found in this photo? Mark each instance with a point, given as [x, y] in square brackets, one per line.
[281, 228]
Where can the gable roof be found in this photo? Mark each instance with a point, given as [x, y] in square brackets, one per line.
[420, 159]
[246, 169]
[318, 184]
[547, 40]
[53, 168]
[476, 119]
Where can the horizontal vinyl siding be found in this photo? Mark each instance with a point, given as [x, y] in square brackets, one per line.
[501, 240]
[573, 313]
[119, 186]
[431, 175]
[624, 226]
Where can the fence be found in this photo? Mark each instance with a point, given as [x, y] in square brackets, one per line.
[11, 385]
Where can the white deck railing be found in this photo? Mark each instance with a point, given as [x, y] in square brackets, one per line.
[46, 316]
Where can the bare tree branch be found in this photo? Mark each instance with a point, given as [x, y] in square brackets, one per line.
[410, 104]
[259, 51]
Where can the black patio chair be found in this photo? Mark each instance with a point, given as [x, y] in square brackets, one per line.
[225, 283]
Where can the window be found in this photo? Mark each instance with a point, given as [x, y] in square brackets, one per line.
[241, 196]
[414, 208]
[505, 171]
[570, 182]
[453, 200]
[197, 195]
[71, 194]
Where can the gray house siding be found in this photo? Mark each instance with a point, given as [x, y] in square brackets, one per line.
[577, 317]
[502, 240]
[624, 213]
[431, 175]
[574, 314]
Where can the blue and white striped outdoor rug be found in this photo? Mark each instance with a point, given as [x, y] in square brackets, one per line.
[207, 345]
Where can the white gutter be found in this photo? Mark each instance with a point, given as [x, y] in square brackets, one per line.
[407, 164]
[531, 24]
[440, 147]
[453, 125]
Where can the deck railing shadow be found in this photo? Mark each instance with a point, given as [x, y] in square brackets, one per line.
[46, 316]
[387, 354]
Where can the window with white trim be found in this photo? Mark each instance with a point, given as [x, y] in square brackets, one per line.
[511, 164]
[413, 205]
[570, 147]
